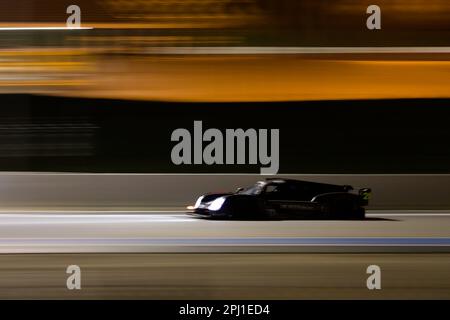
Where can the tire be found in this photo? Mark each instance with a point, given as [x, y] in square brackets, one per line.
[344, 211]
[360, 214]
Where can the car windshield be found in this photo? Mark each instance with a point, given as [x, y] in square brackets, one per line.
[253, 190]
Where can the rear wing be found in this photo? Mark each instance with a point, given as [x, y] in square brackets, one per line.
[365, 195]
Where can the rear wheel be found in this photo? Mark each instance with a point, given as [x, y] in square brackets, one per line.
[344, 210]
[360, 213]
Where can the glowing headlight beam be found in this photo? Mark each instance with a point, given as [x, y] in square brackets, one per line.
[198, 202]
[217, 204]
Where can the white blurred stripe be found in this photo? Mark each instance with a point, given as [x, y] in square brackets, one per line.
[178, 214]
[52, 213]
[105, 219]
[295, 50]
[42, 28]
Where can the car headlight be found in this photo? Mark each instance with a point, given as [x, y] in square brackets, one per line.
[216, 204]
[198, 202]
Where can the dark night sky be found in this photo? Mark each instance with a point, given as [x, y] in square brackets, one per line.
[290, 22]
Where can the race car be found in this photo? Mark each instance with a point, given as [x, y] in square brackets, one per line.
[285, 198]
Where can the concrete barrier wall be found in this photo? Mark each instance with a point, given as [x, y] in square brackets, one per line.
[116, 191]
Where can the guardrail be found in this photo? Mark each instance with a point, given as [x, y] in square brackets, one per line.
[46, 191]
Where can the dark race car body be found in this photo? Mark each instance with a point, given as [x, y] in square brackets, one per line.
[283, 198]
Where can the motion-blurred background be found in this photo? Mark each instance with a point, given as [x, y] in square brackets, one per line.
[213, 51]
[151, 49]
